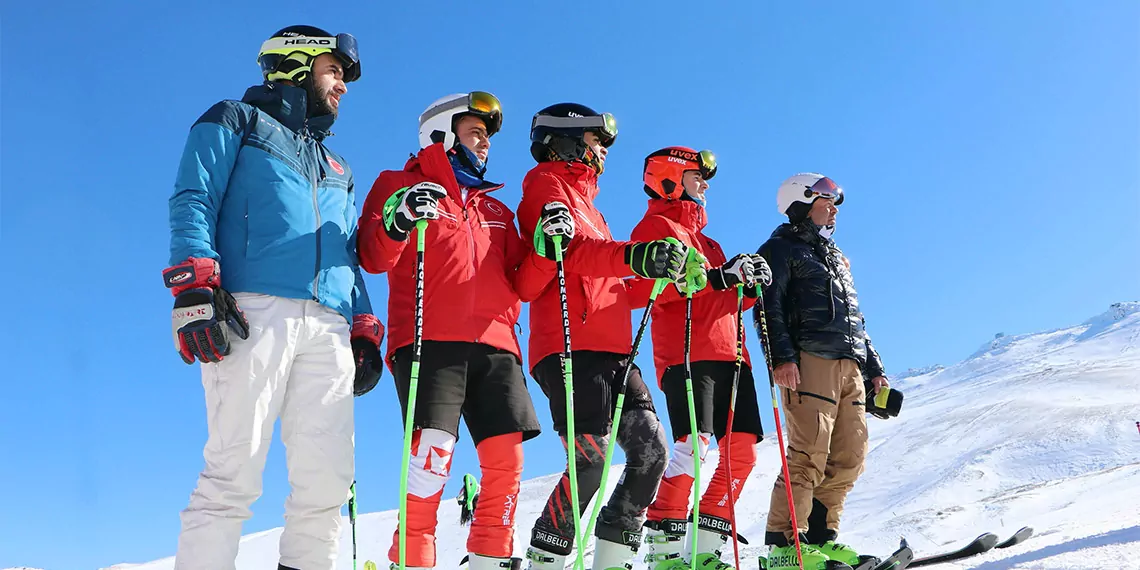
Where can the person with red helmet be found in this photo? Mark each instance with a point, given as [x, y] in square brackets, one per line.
[676, 180]
[570, 143]
[471, 364]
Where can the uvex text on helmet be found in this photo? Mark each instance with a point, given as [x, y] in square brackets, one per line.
[664, 169]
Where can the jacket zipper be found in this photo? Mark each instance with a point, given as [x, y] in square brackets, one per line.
[470, 240]
[317, 212]
[470, 234]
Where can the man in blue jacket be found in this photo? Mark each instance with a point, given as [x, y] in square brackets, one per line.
[262, 208]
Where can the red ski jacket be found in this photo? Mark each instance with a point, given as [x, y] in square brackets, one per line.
[469, 256]
[714, 312]
[597, 296]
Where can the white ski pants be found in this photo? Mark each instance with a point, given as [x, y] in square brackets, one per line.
[296, 364]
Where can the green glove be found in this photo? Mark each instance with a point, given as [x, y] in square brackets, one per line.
[695, 276]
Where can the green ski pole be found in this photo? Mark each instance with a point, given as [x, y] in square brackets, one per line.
[658, 286]
[413, 386]
[352, 519]
[568, 378]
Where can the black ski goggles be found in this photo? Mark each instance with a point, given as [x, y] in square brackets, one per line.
[343, 46]
[604, 125]
[825, 188]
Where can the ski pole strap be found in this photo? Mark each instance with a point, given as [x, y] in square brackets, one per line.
[390, 206]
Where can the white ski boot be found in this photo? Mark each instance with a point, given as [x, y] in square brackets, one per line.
[712, 538]
[666, 543]
[613, 556]
[480, 562]
[539, 559]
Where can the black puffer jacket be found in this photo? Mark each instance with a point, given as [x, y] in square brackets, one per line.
[812, 304]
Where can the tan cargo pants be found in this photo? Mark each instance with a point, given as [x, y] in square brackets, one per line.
[827, 441]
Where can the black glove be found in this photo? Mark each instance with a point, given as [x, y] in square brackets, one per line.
[660, 259]
[407, 206]
[201, 307]
[736, 271]
[555, 221]
[885, 405]
[367, 334]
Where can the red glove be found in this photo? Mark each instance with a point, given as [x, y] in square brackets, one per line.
[200, 308]
[367, 334]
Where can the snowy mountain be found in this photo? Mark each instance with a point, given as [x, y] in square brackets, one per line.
[1035, 430]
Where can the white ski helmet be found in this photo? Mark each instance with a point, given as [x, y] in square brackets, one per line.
[805, 188]
[437, 123]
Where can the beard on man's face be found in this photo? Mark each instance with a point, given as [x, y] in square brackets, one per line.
[322, 104]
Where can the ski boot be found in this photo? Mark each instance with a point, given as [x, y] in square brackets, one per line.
[613, 556]
[712, 536]
[784, 558]
[539, 559]
[480, 562]
[842, 553]
[666, 540]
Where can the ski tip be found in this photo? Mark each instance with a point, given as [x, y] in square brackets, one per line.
[987, 540]
[1018, 537]
[466, 557]
[369, 565]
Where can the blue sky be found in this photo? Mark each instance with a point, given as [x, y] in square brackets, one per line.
[989, 151]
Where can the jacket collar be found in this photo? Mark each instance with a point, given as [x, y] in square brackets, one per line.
[289, 105]
[806, 231]
[689, 214]
[577, 174]
[432, 162]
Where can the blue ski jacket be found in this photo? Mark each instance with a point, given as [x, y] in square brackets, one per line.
[259, 191]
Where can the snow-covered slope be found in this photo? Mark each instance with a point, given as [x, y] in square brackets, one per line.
[1035, 430]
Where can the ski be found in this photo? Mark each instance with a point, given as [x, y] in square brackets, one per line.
[898, 560]
[977, 546]
[1017, 538]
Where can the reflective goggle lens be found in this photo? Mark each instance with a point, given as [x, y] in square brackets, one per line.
[488, 106]
[708, 164]
[609, 126]
[484, 102]
[825, 188]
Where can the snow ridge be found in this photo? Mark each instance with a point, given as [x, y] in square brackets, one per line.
[1037, 429]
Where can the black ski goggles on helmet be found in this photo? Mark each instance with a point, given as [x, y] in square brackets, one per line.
[825, 188]
[343, 46]
[604, 125]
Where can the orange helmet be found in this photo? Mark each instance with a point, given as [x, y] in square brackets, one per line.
[663, 170]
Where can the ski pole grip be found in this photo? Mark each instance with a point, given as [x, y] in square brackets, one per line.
[557, 239]
[658, 286]
[421, 229]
